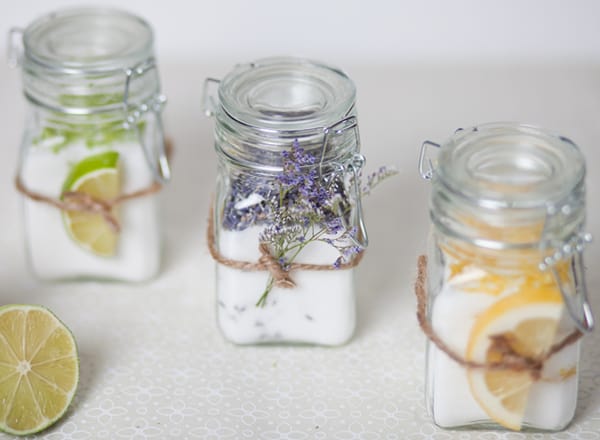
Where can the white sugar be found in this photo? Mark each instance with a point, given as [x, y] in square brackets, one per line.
[54, 255]
[319, 310]
[251, 200]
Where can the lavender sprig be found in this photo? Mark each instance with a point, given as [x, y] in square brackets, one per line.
[300, 207]
[376, 177]
[309, 209]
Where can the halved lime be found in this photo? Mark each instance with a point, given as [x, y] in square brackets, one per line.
[98, 176]
[39, 369]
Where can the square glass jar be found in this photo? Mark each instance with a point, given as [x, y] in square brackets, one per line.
[93, 151]
[287, 227]
[506, 301]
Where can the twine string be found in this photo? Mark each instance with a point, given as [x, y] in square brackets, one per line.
[281, 276]
[266, 261]
[502, 344]
[83, 202]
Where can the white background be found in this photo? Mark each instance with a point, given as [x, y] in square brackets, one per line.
[153, 363]
[342, 32]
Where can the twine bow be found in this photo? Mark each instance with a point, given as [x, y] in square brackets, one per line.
[266, 261]
[82, 202]
[280, 276]
[76, 201]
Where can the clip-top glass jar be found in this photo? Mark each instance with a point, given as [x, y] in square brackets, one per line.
[287, 228]
[506, 294]
[93, 151]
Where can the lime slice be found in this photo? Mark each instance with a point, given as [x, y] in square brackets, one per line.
[39, 369]
[99, 177]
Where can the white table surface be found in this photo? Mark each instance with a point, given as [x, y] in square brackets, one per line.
[153, 363]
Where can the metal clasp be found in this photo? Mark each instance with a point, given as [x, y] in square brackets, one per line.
[426, 174]
[161, 169]
[572, 285]
[348, 123]
[209, 96]
[354, 166]
[573, 291]
[14, 47]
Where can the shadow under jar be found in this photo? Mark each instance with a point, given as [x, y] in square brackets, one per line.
[287, 208]
[93, 151]
[507, 299]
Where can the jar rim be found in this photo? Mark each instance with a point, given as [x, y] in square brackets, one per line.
[286, 94]
[510, 165]
[87, 39]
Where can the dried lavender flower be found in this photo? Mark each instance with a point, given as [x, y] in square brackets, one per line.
[376, 177]
[300, 206]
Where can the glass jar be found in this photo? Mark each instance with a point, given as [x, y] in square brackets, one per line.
[286, 137]
[93, 151]
[506, 294]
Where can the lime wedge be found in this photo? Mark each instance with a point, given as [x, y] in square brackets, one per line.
[39, 369]
[98, 176]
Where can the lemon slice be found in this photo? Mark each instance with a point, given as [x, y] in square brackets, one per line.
[39, 369]
[99, 177]
[526, 322]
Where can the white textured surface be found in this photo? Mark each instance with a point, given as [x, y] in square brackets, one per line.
[153, 363]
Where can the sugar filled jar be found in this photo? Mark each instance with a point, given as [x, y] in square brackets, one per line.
[287, 229]
[93, 151]
[504, 302]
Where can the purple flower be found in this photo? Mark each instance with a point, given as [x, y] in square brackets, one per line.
[334, 226]
[303, 203]
[351, 251]
[377, 177]
[337, 263]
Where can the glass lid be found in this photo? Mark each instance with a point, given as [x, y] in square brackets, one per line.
[88, 39]
[286, 94]
[510, 165]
